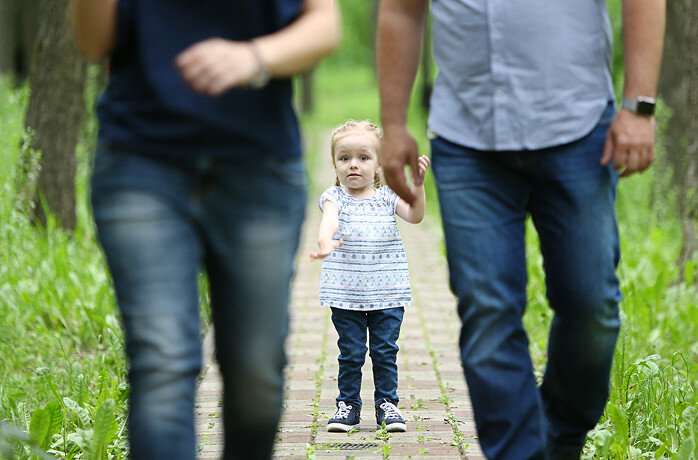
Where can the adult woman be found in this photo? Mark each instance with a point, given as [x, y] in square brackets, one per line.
[198, 165]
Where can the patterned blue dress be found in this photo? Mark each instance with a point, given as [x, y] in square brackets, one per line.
[369, 271]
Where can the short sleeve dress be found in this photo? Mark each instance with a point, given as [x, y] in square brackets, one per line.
[369, 271]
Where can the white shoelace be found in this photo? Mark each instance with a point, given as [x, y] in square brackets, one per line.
[390, 410]
[342, 410]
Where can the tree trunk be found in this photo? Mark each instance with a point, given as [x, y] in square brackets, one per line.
[27, 34]
[8, 42]
[18, 28]
[55, 112]
[679, 89]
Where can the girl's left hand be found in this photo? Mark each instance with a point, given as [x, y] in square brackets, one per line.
[423, 165]
[215, 66]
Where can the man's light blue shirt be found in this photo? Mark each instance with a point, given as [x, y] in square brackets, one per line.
[519, 75]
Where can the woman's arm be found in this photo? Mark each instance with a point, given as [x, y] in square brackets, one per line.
[216, 65]
[328, 228]
[94, 26]
[298, 47]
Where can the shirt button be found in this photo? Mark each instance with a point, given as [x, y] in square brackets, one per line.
[497, 58]
[499, 93]
[495, 20]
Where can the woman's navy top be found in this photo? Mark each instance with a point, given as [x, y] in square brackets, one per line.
[148, 108]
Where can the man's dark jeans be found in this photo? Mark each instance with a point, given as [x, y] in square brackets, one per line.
[485, 198]
[159, 222]
[383, 331]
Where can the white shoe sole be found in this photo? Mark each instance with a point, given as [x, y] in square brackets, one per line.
[341, 427]
[395, 428]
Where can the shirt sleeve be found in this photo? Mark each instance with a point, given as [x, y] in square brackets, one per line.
[334, 194]
[390, 198]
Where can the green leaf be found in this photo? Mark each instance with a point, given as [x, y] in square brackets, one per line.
[80, 388]
[620, 421]
[686, 449]
[104, 429]
[45, 423]
[78, 410]
[81, 438]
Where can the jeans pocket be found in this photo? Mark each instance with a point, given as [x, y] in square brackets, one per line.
[289, 170]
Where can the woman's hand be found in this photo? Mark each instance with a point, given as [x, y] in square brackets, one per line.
[215, 66]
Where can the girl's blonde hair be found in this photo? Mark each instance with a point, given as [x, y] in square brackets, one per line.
[361, 126]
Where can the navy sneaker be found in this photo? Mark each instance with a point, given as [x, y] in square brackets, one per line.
[345, 419]
[388, 413]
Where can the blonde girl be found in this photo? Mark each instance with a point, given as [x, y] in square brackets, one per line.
[365, 279]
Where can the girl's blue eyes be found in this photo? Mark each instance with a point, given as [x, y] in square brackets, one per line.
[362, 157]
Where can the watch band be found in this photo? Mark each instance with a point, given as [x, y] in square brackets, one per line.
[642, 105]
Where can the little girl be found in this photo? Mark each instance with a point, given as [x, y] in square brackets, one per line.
[365, 280]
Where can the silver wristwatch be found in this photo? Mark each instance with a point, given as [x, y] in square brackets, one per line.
[642, 105]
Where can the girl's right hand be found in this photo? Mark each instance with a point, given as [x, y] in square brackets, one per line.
[423, 164]
[326, 249]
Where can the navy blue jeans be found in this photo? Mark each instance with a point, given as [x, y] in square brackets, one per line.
[383, 331]
[159, 222]
[485, 198]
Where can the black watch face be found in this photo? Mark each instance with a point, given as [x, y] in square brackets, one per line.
[645, 108]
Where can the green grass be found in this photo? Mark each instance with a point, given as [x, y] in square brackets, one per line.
[62, 372]
[652, 406]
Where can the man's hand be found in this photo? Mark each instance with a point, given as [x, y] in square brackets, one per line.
[326, 248]
[400, 150]
[215, 66]
[630, 143]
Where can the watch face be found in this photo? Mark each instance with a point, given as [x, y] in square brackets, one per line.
[645, 108]
[642, 105]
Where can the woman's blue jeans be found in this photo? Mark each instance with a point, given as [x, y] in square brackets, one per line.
[383, 328]
[485, 198]
[160, 221]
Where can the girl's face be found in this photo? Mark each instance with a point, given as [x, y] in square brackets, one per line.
[356, 160]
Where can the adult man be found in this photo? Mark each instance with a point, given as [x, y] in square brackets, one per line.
[524, 123]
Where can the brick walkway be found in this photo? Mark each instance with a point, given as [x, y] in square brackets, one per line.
[433, 395]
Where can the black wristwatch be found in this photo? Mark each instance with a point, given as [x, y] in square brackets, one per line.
[642, 105]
